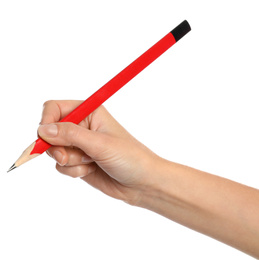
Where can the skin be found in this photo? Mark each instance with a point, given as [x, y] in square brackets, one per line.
[103, 154]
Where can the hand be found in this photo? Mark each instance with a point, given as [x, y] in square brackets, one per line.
[105, 155]
[99, 150]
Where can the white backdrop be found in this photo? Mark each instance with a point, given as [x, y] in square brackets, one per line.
[196, 105]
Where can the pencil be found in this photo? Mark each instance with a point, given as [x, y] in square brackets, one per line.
[95, 100]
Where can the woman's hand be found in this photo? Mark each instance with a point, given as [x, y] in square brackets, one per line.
[99, 150]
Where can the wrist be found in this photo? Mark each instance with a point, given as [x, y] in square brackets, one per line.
[168, 192]
[159, 188]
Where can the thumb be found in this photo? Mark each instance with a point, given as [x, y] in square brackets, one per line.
[69, 134]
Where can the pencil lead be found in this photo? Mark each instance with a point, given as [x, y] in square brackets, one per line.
[12, 167]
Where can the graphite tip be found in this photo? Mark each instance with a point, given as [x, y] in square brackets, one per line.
[12, 167]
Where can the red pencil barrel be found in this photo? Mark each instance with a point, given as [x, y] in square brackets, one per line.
[111, 87]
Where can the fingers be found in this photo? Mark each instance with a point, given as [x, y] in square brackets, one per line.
[78, 170]
[68, 156]
[69, 134]
[55, 110]
[72, 162]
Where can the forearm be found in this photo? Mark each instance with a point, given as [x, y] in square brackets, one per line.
[217, 207]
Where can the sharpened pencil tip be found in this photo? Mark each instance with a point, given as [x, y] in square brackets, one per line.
[12, 167]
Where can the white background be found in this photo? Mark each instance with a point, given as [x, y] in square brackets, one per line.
[196, 105]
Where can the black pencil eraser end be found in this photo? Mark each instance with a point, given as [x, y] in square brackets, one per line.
[182, 29]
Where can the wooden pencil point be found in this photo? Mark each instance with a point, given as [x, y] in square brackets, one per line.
[26, 156]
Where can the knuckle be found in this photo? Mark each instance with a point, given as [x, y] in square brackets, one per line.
[47, 103]
[48, 112]
[74, 174]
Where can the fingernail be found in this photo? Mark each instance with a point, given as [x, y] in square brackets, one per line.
[49, 154]
[58, 156]
[86, 159]
[50, 130]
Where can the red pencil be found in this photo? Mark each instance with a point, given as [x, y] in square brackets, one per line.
[111, 87]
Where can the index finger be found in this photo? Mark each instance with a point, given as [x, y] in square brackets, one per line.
[55, 110]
